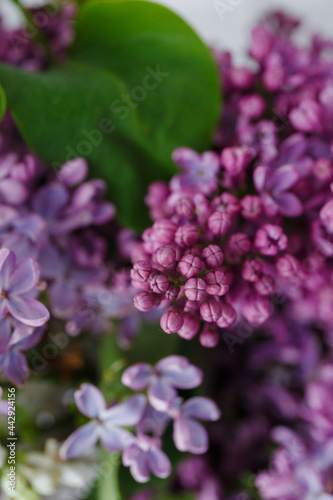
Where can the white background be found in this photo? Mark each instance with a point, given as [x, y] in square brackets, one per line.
[231, 29]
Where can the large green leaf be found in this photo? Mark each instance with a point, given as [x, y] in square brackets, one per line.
[135, 64]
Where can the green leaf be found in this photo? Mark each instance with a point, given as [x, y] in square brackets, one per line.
[3, 102]
[138, 84]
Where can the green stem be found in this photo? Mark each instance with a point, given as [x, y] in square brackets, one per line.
[37, 34]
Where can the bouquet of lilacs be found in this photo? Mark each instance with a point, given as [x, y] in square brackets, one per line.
[189, 357]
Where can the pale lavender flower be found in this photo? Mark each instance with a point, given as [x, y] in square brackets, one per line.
[172, 372]
[273, 186]
[18, 283]
[143, 456]
[188, 434]
[106, 424]
[200, 171]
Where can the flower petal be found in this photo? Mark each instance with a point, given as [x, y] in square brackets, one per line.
[28, 311]
[189, 435]
[80, 441]
[25, 277]
[159, 463]
[127, 413]
[7, 266]
[289, 204]
[161, 395]
[260, 176]
[137, 376]
[283, 178]
[89, 400]
[138, 465]
[16, 368]
[179, 372]
[201, 408]
[115, 439]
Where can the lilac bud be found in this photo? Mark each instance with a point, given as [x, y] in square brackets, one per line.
[140, 272]
[190, 265]
[216, 283]
[172, 321]
[158, 283]
[209, 336]
[185, 207]
[326, 216]
[164, 230]
[235, 159]
[186, 236]
[190, 327]
[237, 246]
[219, 223]
[228, 316]
[138, 253]
[166, 256]
[227, 203]
[270, 239]
[256, 309]
[252, 270]
[307, 117]
[289, 267]
[252, 106]
[150, 243]
[144, 301]
[212, 256]
[241, 77]
[210, 311]
[172, 292]
[195, 289]
[265, 285]
[322, 169]
[251, 207]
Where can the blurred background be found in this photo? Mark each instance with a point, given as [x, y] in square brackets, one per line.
[226, 23]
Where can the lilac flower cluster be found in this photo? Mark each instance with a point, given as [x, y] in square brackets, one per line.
[142, 453]
[240, 250]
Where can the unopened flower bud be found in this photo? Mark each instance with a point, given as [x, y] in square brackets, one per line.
[186, 236]
[195, 289]
[158, 283]
[172, 321]
[209, 336]
[228, 316]
[219, 223]
[210, 311]
[166, 256]
[190, 265]
[164, 230]
[190, 327]
[217, 283]
[212, 256]
[144, 301]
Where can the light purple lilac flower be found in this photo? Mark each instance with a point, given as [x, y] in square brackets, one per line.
[106, 424]
[188, 434]
[13, 363]
[18, 283]
[200, 171]
[273, 187]
[143, 456]
[172, 372]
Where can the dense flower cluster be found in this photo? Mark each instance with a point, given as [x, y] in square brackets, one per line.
[240, 250]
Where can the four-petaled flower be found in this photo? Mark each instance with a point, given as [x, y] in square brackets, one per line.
[169, 373]
[106, 424]
[17, 289]
[188, 434]
[199, 171]
[273, 186]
